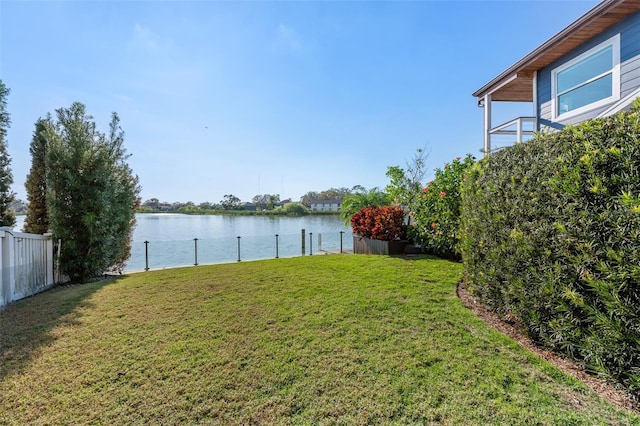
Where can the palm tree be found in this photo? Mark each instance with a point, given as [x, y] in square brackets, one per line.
[355, 202]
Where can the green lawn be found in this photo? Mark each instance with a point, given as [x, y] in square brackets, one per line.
[340, 339]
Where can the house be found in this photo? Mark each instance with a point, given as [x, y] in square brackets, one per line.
[589, 69]
[283, 202]
[163, 207]
[325, 205]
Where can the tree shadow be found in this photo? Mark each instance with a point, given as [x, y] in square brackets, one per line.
[429, 254]
[26, 325]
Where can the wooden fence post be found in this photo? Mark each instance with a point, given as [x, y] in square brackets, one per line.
[8, 272]
[3, 298]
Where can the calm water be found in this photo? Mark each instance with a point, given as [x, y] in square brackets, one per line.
[171, 238]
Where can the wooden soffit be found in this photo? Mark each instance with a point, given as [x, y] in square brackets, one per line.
[516, 83]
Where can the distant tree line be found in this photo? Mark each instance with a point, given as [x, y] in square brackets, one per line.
[329, 194]
[259, 202]
[229, 202]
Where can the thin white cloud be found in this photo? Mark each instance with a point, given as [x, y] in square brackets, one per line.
[144, 39]
[288, 39]
[121, 97]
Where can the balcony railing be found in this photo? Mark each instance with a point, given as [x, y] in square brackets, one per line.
[516, 127]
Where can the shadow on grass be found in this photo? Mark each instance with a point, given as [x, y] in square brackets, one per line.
[424, 256]
[26, 325]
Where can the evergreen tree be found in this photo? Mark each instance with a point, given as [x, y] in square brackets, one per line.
[7, 216]
[92, 193]
[37, 220]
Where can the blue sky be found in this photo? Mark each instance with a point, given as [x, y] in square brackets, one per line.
[254, 97]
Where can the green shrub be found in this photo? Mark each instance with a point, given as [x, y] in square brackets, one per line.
[190, 210]
[295, 209]
[92, 193]
[353, 203]
[551, 236]
[436, 214]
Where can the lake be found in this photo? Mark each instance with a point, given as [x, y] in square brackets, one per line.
[171, 238]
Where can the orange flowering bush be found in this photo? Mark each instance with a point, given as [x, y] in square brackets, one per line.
[380, 223]
[436, 214]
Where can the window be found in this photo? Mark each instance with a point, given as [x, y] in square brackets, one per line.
[588, 81]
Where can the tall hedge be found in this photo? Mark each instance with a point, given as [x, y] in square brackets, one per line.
[7, 196]
[551, 237]
[92, 193]
[37, 220]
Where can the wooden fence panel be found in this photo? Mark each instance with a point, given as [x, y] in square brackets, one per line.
[363, 245]
[26, 261]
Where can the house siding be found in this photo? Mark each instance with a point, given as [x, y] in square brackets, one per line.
[629, 30]
[630, 75]
[325, 205]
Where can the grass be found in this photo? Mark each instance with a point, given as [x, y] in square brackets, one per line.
[315, 340]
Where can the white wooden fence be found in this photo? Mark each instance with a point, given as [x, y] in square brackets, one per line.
[26, 264]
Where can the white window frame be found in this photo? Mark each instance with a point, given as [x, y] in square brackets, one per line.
[615, 80]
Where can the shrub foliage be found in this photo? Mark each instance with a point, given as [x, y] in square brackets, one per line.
[7, 216]
[380, 223]
[37, 220]
[92, 193]
[436, 213]
[551, 236]
[293, 209]
[356, 201]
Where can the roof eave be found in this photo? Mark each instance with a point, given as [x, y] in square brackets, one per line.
[526, 66]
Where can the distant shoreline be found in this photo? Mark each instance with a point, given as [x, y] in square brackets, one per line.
[246, 213]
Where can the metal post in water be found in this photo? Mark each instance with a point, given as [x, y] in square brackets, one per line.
[195, 242]
[146, 255]
[276, 246]
[341, 232]
[238, 249]
[303, 242]
[310, 243]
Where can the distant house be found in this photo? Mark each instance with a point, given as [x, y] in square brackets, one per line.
[164, 207]
[249, 206]
[283, 202]
[18, 206]
[325, 205]
[589, 69]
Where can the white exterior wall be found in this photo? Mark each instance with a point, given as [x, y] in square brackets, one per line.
[325, 207]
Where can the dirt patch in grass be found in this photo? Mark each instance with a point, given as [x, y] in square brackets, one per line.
[603, 389]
